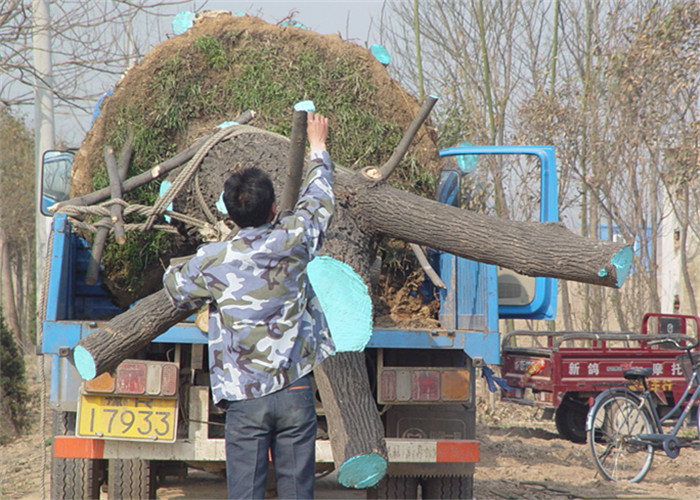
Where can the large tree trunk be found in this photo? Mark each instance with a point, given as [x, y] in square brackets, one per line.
[530, 248]
[355, 429]
[126, 333]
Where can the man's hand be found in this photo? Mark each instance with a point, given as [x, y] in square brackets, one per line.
[317, 131]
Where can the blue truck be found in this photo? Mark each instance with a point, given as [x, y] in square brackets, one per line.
[153, 417]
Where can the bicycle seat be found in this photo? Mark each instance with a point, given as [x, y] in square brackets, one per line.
[637, 373]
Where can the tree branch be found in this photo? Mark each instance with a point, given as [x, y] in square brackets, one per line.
[403, 146]
[297, 147]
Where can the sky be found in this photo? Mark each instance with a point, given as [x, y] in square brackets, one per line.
[356, 21]
[352, 20]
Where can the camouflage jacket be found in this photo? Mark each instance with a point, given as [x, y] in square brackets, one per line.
[266, 327]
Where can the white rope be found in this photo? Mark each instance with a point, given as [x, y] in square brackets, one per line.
[191, 167]
[41, 313]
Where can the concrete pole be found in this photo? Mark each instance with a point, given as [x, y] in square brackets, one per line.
[43, 122]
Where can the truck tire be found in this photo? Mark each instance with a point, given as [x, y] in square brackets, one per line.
[73, 477]
[461, 487]
[131, 479]
[570, 420]
[396, 487]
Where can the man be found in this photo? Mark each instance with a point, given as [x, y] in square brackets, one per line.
[266, 329]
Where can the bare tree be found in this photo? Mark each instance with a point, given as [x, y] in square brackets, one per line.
[16, 225]
[612, 84]
[89, 39]
[92, 45]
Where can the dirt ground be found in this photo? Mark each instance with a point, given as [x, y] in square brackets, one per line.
[521, 457]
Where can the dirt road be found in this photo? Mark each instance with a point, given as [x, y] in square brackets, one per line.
[521, 457]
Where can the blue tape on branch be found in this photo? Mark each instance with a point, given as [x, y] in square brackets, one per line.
[164, 186]
[345, 301]
[467, 162]
[292, 23]
[226, 124]
[220, 206]
[380, 54]
[98, 107]
[84, 363]
[307, 106]
[622, 261]
[362, 471]
[182, 22]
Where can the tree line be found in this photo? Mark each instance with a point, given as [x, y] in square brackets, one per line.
[614, 86]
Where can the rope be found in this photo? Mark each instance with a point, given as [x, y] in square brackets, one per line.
[41, 313]
[191, 167]
[210, 231]
[202, 201]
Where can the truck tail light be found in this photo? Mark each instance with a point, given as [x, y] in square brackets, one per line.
[131, 377]
[105, 384]
[455, 385]
[426, 385]
[169, 380]
[408, 385]
[137, 377]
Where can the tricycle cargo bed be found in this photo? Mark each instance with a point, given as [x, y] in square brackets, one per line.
[568, 369]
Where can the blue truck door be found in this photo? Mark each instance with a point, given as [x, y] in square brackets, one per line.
[510, 294]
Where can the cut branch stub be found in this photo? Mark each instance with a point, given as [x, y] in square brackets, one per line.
[125, 154]
[117, 174]
[126, 333]
[116, 192]
[292, 184]
[407, 138]
[354, 426]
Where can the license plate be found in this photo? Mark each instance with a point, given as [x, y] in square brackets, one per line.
[127, 418]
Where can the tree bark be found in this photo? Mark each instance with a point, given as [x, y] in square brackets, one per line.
[355, 429]
[530, 248]
[295, 170]
[126, 333]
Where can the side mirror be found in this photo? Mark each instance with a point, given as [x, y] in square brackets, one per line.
[56, 168]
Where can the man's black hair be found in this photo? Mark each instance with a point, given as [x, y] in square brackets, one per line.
[248, 197]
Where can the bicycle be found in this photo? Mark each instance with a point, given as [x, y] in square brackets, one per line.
[624, 428]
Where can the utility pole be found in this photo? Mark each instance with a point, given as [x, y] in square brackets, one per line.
[43, 122]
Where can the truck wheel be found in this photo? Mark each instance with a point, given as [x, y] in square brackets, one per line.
[570, 420]
[73, 477]
[449, 487]
[131, 479]
[395, 487]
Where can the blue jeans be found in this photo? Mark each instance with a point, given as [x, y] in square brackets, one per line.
[283, 423]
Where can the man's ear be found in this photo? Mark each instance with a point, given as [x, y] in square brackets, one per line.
[273, 212]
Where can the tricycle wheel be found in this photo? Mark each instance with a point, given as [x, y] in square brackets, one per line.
[570, 419]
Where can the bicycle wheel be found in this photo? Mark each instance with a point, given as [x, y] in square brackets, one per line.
[614, 424]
